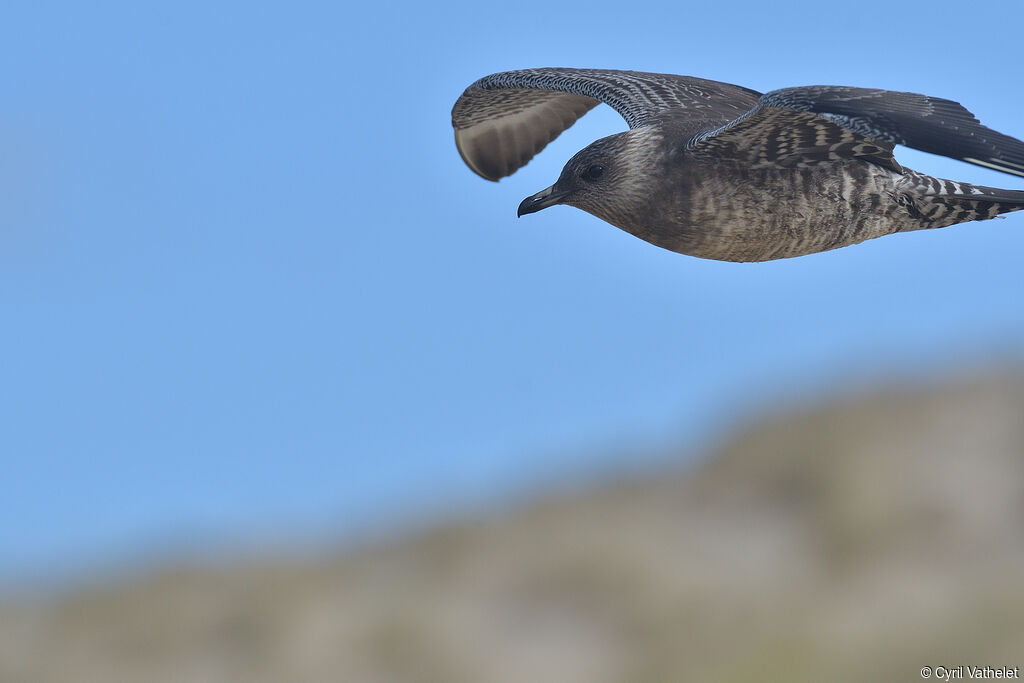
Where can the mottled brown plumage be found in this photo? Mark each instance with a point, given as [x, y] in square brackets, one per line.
[722, 172]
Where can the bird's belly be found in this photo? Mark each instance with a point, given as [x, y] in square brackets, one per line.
[760, 215]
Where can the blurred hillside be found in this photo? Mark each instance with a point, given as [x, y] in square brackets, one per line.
[858, 541]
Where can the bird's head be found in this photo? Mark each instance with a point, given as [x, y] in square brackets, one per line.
[610, 179]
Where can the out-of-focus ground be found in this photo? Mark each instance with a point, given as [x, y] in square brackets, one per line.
[859, 541]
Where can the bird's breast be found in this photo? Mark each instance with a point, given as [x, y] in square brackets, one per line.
[734, 214]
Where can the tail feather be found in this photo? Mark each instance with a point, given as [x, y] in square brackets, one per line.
[936, 202]
[965, 192]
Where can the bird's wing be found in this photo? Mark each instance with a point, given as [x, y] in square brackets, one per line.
[504, 119]
[826, 123]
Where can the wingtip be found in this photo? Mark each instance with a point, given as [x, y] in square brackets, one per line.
[461, 144]
[998, 165]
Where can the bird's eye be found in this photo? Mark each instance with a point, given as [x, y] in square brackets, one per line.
[594, 172]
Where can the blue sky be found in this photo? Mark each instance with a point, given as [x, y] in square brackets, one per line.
[249, 290]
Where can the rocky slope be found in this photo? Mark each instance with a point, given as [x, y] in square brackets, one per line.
[858, 541]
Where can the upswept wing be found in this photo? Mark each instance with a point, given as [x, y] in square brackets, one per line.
[503, 120]
[817, 124]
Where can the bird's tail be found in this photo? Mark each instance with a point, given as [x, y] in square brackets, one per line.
[947, 202]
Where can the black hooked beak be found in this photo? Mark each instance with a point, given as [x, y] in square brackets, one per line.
[541, 200]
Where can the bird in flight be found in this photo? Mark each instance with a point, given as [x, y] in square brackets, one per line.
[723, 172]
